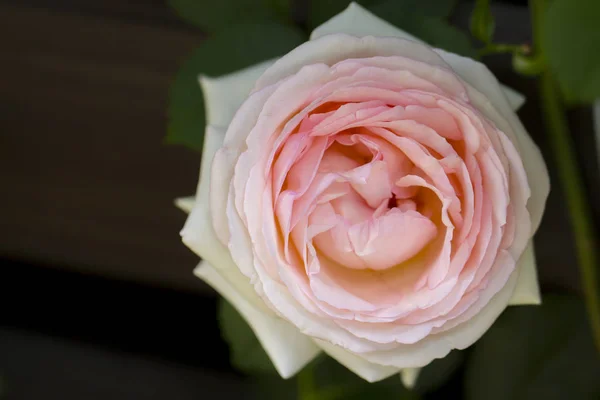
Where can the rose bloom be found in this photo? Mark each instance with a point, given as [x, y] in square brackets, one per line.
[368, 196]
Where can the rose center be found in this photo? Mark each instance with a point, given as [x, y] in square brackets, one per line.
[371, 222]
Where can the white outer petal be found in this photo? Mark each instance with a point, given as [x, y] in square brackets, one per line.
[223, 95]
[288, 349]
[366, 370]
[185, 204]
[198, 233]
[527, 290]
[515, 99]
[357, 21]
[409, 376]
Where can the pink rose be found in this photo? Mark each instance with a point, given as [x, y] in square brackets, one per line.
[371, 197]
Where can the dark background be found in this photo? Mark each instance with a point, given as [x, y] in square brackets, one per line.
[98, 296]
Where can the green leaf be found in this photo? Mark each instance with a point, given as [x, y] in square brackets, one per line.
[281, 8]
[482, 21]
[213, 15]
[246, 352]
[241, 46]
[438, 372]
[540, 352]
[430, 8]
[433, 30]
[571, 44]
[186, 113]
[441, 34]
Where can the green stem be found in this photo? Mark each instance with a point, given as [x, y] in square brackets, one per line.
[578, 208]
[528, 65]
[537, 9]
[570, 178]
[306, 384]
[501, 48]
[308, 390]
[533, 64]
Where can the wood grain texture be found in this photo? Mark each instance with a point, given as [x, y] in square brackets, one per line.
[87, 182]
[44, 367]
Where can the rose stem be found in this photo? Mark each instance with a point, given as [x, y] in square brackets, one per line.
[306, 383]
[583, 230]
[566, 163]
[308, 390]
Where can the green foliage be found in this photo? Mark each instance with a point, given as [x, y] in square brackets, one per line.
[228, 51]
[571, 39]
[213, 15]
[186, 106]
[544, 352]
[482, 21]
[441, 9]
[430, 8]
[281, 8]
[246, 352]
[426, 22]
[441, 34]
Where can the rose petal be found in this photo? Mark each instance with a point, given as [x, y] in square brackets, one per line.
[331, 49]
[366, 370]
[514, 98]
[374, 243]
[185, 204]
[288, 349]
[198, 233]
[409, 376]
[527, 290]
[224, 95]
[459, 337]
[345, 307]
[223, 165]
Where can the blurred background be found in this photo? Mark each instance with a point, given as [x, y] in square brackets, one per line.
[98, 296]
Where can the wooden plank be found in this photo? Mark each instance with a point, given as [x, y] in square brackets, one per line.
[145, 12]
[36, 367]
[88, 183]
